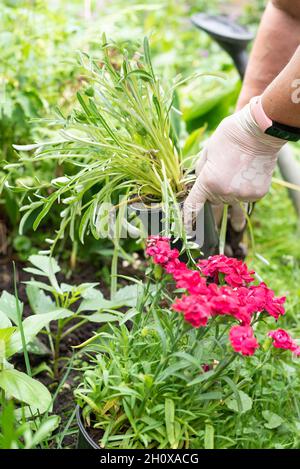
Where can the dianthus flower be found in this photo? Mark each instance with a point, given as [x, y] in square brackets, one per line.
[242, 340]
[206, 299]
[263, 298]
[223, 300]
[195, 309]
[235, 271]
[159, 249]
[283, 340]
[191, 281]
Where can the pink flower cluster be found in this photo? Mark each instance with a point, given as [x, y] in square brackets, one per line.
[204, 297]
[282, 339]
[235, 272]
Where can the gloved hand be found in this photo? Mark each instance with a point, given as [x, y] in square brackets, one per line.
[236, 165]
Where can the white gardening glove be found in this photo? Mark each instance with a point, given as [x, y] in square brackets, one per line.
[236, 165]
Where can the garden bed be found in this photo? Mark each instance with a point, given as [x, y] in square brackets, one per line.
[156, 348]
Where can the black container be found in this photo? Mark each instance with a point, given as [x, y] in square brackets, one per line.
[84, 440]
[152, 220]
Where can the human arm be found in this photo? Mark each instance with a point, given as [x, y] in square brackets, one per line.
[277, 39]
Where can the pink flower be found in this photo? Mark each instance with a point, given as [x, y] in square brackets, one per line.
[236, 272]
[243, 315]
[297, 351]
[242, 339]
[175, 266]
[283, 340]
[195, 309]
[159, 249]
[263, 298]
[191, 281]
[236, 299]
[259, 298]
[223, 300]
[185, 278]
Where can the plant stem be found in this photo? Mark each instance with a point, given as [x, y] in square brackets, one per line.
[73, 258]
[25, 352]
[223, 230]
[114, 271]
[57, 346]
[73, 328]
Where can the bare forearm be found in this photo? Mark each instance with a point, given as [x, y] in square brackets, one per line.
[277, 39]
[281, 99]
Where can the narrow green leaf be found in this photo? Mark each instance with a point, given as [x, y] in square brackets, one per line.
[170, 420]
[209, 436]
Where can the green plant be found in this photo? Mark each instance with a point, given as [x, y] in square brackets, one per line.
[71, 306]
[123, 140]
[15, 335]
[23, 427]
[162, 384]
[21, 433]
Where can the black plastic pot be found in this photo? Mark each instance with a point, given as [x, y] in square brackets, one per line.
[84, 440]
[152, 220]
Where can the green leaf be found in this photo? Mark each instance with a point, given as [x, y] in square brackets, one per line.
[40, 285]
[127, 296]
[8, 306]
[147, 55]
[189, 358]
[204, 376]
[103, 317]
[4, 321]
[95, 301]
[45, 430]
[273, 420]
[37, 347]
[245, 403]
[47, 206]
[212, 395]
[32, 326]
[170, 420]
[45, 266]
[125, 391]
[192, 143]
[209, 436]
[140, 74]
[40, 302]
[130, 314]
[6, 333]
[25, 389]
[209, 98]
[171, 370]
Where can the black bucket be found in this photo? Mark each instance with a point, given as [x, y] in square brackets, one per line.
[84, 440]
